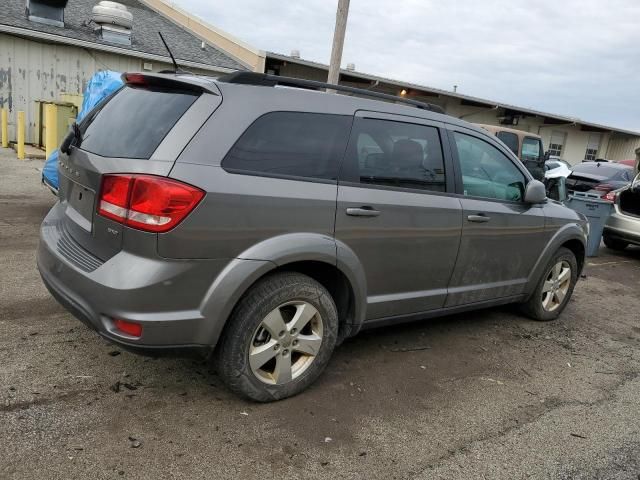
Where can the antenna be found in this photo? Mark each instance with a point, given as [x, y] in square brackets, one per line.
[176, 68]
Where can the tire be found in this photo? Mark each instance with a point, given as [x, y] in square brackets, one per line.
[614, 244]
[545, 303]
[255, 330]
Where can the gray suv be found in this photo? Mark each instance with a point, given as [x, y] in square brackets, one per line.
[260, 221]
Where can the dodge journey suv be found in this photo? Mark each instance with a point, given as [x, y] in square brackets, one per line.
[258, 220]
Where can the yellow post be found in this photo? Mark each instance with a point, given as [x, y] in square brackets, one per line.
[20, 135]
[5, 128]
[52, 129]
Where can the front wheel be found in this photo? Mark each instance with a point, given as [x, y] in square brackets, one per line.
[279, 338]
[554, 287]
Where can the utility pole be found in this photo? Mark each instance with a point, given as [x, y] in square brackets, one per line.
[338, 41]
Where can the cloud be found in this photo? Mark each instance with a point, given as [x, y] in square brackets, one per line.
[572, 57]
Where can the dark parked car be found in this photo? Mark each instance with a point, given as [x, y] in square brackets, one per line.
[264, 225]
[598, 177]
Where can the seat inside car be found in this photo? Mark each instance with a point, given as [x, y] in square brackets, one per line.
[407, 157]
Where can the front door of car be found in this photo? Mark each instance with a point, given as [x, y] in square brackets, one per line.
[397, 212]
[502, 236]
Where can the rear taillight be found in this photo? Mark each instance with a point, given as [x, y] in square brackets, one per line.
[146, 202]
[603, 187]
[610, 197]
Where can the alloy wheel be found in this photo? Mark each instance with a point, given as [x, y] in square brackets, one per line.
[556, 286]
[286, 343]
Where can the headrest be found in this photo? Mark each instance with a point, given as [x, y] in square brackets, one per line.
[407, 154]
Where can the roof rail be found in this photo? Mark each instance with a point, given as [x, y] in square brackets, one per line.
[265, 80]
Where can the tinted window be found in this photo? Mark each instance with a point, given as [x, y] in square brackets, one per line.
[487, 172]
[133, 122]
[395, 154]
[510, 140]
[600, 169]
[292, 144]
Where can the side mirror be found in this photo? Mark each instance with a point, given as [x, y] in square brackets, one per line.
[547, 155]
[535, 192]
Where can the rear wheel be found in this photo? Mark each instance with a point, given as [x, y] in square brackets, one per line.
[554, 288]
[613, 243]
[279, 338]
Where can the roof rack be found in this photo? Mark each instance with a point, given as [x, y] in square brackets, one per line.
[265, 80]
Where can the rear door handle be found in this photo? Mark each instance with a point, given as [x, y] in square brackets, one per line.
[479, 218]
[363, 212]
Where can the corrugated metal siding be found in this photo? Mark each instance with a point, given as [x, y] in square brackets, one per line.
[623, 148]
[31, 71]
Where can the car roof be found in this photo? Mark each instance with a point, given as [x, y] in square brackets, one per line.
[317, 101]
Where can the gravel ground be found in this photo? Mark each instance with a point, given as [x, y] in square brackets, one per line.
[487, 394]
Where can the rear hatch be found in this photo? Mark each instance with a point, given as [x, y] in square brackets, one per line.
[630, 202]
[140, 129]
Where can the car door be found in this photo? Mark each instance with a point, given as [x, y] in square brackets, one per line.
[398, 213]
[502, 236]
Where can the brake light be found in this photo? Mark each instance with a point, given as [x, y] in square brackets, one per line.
[610, 196]
[603, 187]
[130, 328]
[134, 79]
[146, 202]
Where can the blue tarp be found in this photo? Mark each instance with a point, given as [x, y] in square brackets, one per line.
[101, 85]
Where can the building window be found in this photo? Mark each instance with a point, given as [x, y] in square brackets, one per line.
[556, 143]
[593, 144]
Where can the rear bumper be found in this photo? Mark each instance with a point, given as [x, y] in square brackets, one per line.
[164, 296]
[623, 227]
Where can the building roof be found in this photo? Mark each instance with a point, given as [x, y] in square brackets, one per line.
[146, 43]
[469, 98]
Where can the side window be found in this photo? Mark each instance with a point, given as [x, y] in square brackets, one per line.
[531, 149]
[395, 154]
[487, 172]
[294, 144]
[510, 140]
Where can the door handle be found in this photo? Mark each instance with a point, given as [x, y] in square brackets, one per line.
[479, 218]
[363, 212]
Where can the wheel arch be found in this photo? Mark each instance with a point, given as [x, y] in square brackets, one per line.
[314, 255]
[570, 236]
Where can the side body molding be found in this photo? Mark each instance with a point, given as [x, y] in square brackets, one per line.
[569, 231]
[242, 272]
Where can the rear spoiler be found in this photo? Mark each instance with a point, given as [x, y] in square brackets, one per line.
[172, 80]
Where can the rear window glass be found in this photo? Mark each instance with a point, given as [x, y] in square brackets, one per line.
[510, 140]
[134, 121]
[600, 169]
[296, 144]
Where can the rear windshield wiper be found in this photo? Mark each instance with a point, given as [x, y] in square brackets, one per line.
[73, 138]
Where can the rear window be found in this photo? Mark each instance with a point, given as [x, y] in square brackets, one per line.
[134, 121]
[599, 169]
[291, 144]
[510, 140]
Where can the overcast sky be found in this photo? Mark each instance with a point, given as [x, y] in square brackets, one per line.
[579, 58]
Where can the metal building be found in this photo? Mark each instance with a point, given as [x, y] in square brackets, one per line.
[49, 48]
[572, 139]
